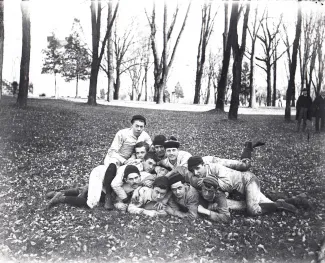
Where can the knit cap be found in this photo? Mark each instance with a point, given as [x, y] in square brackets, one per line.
[159, 140]
[171, 143]
[129, 169]
[176, 177]
[194, 161]
[161, 182]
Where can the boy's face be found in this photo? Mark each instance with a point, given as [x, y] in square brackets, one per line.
[137, 127]
[208, 193]
[133, 179]
[160, 150]
[161, 171]
[172, 153]
[158, 194]
[149, 165]
[140, 152]
[178, 189]
[200, 170]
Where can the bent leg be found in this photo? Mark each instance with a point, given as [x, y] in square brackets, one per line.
[95, 187]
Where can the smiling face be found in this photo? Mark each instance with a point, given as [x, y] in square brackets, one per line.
[200, 170]
[158, 194]
[137, 127]
[140, 152]
[133, 179]
[160, 150]
[178, 189]
[149, 165]
[172, 154]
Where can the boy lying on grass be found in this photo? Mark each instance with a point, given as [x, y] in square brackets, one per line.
[222, 179]
[132, 178]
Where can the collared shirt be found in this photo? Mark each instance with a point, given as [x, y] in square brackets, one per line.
[189, 202]
[123, 145]
[141, 196]
[180, 161]
[229, 179]
[118, 182]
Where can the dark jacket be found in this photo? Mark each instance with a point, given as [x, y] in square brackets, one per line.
[318, 107]
[304, 102]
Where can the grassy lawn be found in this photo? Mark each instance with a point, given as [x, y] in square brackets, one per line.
[55, 144]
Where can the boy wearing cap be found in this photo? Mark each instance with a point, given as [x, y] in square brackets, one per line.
[175, 157]
[144, 199]
[184, 200]
[217, 205]
[146, 168]
[303, 107]
[229, 180]
[131, 177]
[158, 146]
[121, 149]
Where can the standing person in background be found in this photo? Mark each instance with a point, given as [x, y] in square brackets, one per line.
[318, 107]
[303, 108]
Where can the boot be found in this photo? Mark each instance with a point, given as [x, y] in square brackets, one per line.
[83, 192]
[108, 202]
[300, 201]
[57, 199]
[50, 195]
[247, 152]
[283, 205]
[258, 143]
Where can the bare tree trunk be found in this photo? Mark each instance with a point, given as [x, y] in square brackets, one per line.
[162, 66]
[96, 56]
[206, 28]
[293, 64]
[110, 78]
[25, 56]
[1, 43]
[207, 98]
[117, 84]
[238, 53]
[77, 80]
[274, 84]
[227, 35]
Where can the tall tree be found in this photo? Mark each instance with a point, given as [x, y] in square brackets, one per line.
[238, 53]
[222, 82]
[288, 46]
[206, 30]
[320, 39]
[121, 46]
[306, 49]
[96, 9]
[253, 35]
[25, 56]
[161, 65]
[76, 61]
[293, 64]
[110, 67]
[1, 43]
[52, 62]
[267, 40]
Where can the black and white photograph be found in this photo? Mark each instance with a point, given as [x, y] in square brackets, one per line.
[162, 131]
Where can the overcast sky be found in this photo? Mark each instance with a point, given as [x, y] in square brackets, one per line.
[57, 16]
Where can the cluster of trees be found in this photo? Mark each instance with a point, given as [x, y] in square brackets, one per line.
[117, 54]
[70, 59]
